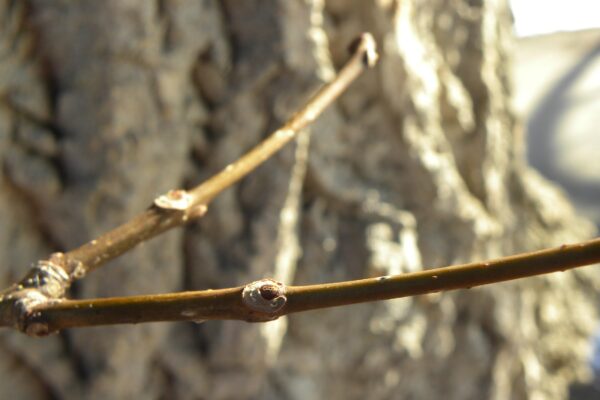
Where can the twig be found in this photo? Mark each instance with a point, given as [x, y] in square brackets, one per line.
[49, 279]
[36, 305]
[267, 299]
[178, 206]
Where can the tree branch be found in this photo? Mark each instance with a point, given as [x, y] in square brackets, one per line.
[48, 280]
[179, 206]
[267, 299]
[36, 306]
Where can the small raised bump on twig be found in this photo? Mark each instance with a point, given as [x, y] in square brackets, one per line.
[49, 276]
[266, 295]
[77, 269]
[174, 200]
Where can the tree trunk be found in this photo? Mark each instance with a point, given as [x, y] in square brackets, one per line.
[106, 104]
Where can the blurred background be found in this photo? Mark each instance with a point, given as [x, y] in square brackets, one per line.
[468, 141]
[557, 95]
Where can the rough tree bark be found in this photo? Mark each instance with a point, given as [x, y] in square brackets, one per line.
[104, 105]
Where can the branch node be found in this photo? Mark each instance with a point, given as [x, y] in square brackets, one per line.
[47, 282]
[174, 200]
[24, 309]
[49, 277]
[266, 296]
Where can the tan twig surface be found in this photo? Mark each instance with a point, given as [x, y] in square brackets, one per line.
[266, 299]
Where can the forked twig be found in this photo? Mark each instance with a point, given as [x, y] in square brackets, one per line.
[48, 280]
[36, 307]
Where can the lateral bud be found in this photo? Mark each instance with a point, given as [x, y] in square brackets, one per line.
[266, 297]
[174, 200]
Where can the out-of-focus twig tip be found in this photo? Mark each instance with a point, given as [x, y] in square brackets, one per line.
[365, 44]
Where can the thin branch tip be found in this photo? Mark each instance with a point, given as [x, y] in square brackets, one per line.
[365, 44]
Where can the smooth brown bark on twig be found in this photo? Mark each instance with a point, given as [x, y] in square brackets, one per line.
[230, 304]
